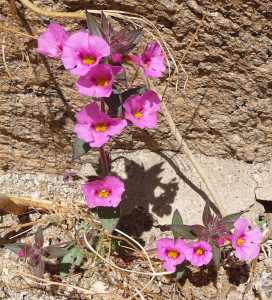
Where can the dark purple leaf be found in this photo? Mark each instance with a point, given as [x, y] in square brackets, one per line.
[198, 230]
[55, 252]
[39, 237]
[114, 102]
[228, 226]
[61, 68]
[66, 176]
[38, 269]
[206, 214]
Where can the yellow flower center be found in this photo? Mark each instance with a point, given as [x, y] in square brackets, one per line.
[103, 194]
[146, 65]
[173, 254]
[239, 242]
[100, 127]
[199, 251]
[137, 115]
[59, 53]
[102, 81]
[88, 60]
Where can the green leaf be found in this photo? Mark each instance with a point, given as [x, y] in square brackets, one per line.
[93, 25]
[136, 91]
[109, 217]
[80, 148]
[116, 100]
[39, 237]
[104, 23]
[180, 269]
[55, 252]
[176, 220]
[184, 231]
[74, 256]
[232, 217]
[134, 37]
[216, 254]
[18, 247]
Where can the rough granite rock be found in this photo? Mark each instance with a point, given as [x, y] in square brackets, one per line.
[224, 111]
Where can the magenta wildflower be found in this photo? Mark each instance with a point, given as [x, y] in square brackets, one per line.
[21, 254]
[199, 253]
[98, 81]
[95, 127]
[141, 110]
[220, 241]
[51, 42]
[83, 51]
[105, 192]
[245, 242]
[171, 252]
[152, 61]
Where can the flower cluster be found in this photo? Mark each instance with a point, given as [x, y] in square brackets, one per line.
[88, 55]
[97, 56]
[174, 252]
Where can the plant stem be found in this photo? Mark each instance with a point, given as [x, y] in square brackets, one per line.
[104, 161]
[103, 156]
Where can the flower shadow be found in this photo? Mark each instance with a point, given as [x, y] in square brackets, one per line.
[145, 188]
[146, 194]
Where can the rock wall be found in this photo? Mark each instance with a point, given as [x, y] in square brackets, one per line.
[225, 109]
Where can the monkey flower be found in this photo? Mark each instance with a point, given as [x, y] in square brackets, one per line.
[141, 110]
[51, 42]
[171, 252]
[199, 253]
[152, 61]
[95, 127]
[105, 192]
[83, 51]
[245, 242]
[98, 81]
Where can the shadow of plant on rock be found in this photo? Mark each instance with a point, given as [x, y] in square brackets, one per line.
[145, 188]
[145, 193]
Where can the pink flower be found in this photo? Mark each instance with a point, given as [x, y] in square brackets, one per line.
[141, 110]
[83, 51]
[95, 127]
[98, 81]
[21, 254]
[199, 254]
[51, 42]
[105, 192]
[171, 252]
[245, 242]
[152, 61]
[220, 241]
